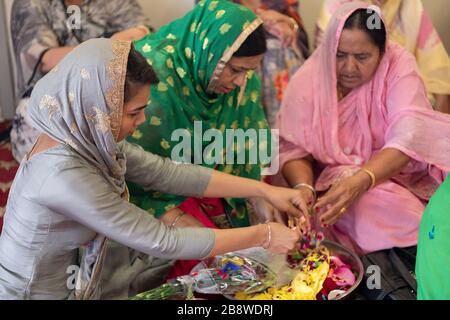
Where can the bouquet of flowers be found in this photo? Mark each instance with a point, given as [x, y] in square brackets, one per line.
[319, 275]
[242, 271]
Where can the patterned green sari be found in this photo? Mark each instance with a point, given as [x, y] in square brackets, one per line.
[188, 56]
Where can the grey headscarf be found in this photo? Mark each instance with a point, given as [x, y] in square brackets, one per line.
[80, 103]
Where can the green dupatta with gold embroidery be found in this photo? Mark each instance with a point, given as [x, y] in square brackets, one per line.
[188, 56]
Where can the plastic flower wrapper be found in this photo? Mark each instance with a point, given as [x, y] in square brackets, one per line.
[318, 274]
[310, 275]
[252, 270]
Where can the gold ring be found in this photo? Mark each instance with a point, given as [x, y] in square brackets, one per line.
[343, 210]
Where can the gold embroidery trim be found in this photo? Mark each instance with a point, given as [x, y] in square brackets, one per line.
[229, 53]
[117, 71]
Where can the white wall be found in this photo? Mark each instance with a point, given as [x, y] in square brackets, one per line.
[7, 100]
[164, 11]
[438, 10]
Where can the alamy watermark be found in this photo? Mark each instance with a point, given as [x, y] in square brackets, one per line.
[227, 147]
[73, 21]
[374, 22]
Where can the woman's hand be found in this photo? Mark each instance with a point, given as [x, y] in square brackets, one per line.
[279, 26]
[131, 34]
[264, 212]
[290, 201]
[182, 220]
[281, 239]
[340, 197]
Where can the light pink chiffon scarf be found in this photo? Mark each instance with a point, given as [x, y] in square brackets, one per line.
[390, 111]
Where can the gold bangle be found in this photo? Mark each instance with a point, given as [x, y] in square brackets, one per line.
[305, 185]
[175, 221]
[269, 235]
[372, 177]
[294, 24]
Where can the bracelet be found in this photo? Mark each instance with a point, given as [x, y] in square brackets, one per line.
[305, 185]
[372, 177]
[269, 235]
[294, 24]
[177, 219]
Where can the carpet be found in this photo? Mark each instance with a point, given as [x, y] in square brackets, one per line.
[8, 169]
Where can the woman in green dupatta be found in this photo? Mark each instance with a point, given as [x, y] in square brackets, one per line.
[433, 249]
[205, 63]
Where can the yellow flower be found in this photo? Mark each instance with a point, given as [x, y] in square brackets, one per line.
[193, 26]
[155, 121]
[170, 207]
[198, 27]
[137, 135]
[201, 74]
[225, 28]
[235, 125]
[156, 194]
[202, 35]
[170, 81]
[220, 14]
[213, 5]
[188, 52]
[162, 87]
[150, 62]
[171, 36]
[165, 144]
[147, 48]
[205, 43]
[230, 101]
[186, 91]
[181, 72]
[254, 96]
[250, 74]
[262, 124]
[170, 49]
[228, 169]
[210, 57]
[169, 63]
[244, 100]
[246, 122]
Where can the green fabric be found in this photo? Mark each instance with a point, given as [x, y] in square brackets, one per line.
[433, 250]
[184, 54]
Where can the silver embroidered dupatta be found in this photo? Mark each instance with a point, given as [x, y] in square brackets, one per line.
[80, 103]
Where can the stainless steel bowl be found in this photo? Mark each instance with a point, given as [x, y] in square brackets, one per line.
[350, 258]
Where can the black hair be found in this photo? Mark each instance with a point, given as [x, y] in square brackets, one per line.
[254, 45]
[363, 19]
[139, 72]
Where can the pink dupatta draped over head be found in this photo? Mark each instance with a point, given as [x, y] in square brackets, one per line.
[390, 111]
